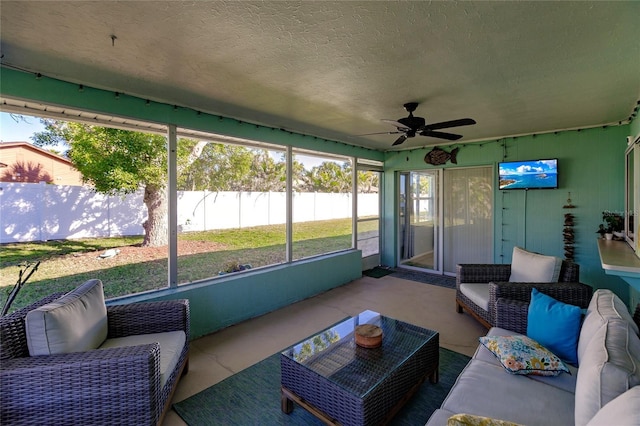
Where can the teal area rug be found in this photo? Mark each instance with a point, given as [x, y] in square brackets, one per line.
[252, 397]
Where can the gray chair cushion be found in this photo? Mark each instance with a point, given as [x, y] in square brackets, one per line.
[478, 293]
[76, 322]
[171, 344]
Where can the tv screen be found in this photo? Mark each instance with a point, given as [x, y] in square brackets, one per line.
[532, 174]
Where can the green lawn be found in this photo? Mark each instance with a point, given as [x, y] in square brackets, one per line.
[67, 263]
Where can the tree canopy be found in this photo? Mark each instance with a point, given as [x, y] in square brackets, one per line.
[115, 161]
[223, 167]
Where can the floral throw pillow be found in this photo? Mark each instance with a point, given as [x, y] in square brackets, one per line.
[523, 355]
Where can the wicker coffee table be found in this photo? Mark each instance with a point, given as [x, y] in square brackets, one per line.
[342, 383]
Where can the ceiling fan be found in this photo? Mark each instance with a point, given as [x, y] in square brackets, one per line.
[411, 126]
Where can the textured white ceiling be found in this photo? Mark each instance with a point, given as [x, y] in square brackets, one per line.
[334, 69]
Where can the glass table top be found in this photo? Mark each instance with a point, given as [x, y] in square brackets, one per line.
[332, 353]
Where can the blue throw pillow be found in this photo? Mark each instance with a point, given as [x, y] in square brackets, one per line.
[555, 325]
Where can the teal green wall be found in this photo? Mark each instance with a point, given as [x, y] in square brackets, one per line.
[229, 300]
[591, 167]
[17, 84]
[635, 127]
[634, 132]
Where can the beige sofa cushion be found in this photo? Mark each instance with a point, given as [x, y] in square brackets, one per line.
[171, 344]
[528, 267]
[610, 366]
[604, 306]
[622, 411]
[487, 390]
[74, 323]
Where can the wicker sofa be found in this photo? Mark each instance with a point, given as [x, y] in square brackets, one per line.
[602, 390]
[479, 286]
[123, 381]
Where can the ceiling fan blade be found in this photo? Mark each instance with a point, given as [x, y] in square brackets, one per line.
[397, 124]
[400, 140]
[381, 133]
[441, 135]
[452, 123]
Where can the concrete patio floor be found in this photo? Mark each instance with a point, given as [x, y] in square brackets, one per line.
[219, 355]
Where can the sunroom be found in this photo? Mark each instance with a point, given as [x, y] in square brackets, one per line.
[310, 83]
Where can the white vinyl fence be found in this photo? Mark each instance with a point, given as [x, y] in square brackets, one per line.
[41, 212]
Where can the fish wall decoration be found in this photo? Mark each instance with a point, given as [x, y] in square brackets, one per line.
[438, 156]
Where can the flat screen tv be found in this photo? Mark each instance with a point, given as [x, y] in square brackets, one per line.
[531, 174]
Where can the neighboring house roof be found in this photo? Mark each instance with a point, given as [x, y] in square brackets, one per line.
[24, 162]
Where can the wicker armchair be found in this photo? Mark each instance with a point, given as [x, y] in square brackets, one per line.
[98, 387]
[567, 289]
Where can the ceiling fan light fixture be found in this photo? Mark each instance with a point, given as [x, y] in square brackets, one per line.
[412, 126]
